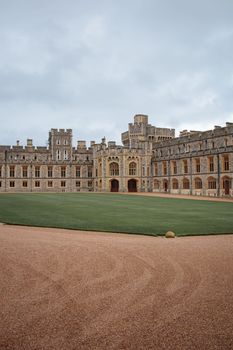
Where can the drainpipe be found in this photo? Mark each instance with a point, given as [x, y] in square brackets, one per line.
[31, 177]
[70, 177]
[219, 175]
[169, 175]
[5, 170]
[191, 176]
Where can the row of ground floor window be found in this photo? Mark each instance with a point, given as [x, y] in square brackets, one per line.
[112, 185]
[196, 185]
[37, 184]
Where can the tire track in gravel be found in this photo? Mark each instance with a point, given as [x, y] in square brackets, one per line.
[71, 290]
[182, 283]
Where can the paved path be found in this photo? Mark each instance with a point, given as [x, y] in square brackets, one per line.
[62, 289]
[182, 196]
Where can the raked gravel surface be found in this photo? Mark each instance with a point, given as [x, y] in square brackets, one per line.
[63, 289]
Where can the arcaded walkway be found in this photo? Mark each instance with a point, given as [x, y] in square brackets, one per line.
[63, 289]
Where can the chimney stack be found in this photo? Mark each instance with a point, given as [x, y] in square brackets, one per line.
[29, 143]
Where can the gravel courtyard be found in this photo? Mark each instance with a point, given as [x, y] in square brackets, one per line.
[62, 289]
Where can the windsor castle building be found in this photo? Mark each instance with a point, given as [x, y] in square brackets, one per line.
[150, 159]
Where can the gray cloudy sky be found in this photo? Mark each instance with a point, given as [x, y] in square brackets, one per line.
[91, 65]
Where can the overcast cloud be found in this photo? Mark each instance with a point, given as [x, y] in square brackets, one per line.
[91, 65]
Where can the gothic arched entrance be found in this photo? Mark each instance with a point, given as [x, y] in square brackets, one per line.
[132, 185]
[114, 185]
[226, 185]
[165, 185]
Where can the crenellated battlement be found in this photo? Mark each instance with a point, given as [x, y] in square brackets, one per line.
[61, 131]
[141, 131]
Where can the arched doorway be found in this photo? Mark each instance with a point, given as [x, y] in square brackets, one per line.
[226, 185]
[165, 185]
[114, 185]
[132, 185]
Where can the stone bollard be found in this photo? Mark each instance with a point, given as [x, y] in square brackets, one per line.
[170, 234]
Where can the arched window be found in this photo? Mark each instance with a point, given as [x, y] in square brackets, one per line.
[175, 184]
[212, 184]
[198, 183]
[185, 184]
[156, 184]
[132, 168]
[114, 169]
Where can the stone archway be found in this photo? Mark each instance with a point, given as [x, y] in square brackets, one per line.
[132, 185]
[226, 181]
[165, 185]
[114, 185]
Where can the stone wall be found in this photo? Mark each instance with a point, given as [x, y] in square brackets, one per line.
[197, 163]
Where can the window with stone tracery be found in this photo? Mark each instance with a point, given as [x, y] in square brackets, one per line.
[198, 183]
[212, 183]
[225, 163]
[114, 169]
[132, 168]
[174, 167]
[185, 184]
[12, 171]
[198, 165]
[211, 164]
[175, 184]
[156, 184]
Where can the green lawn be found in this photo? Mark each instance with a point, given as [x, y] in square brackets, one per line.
[117, 213]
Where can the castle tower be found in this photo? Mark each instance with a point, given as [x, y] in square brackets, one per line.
[141, 119]
[140, 131]
[60, 144]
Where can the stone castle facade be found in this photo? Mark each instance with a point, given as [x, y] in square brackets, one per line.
[151, 159]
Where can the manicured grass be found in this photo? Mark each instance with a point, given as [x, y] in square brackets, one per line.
[117, 213]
